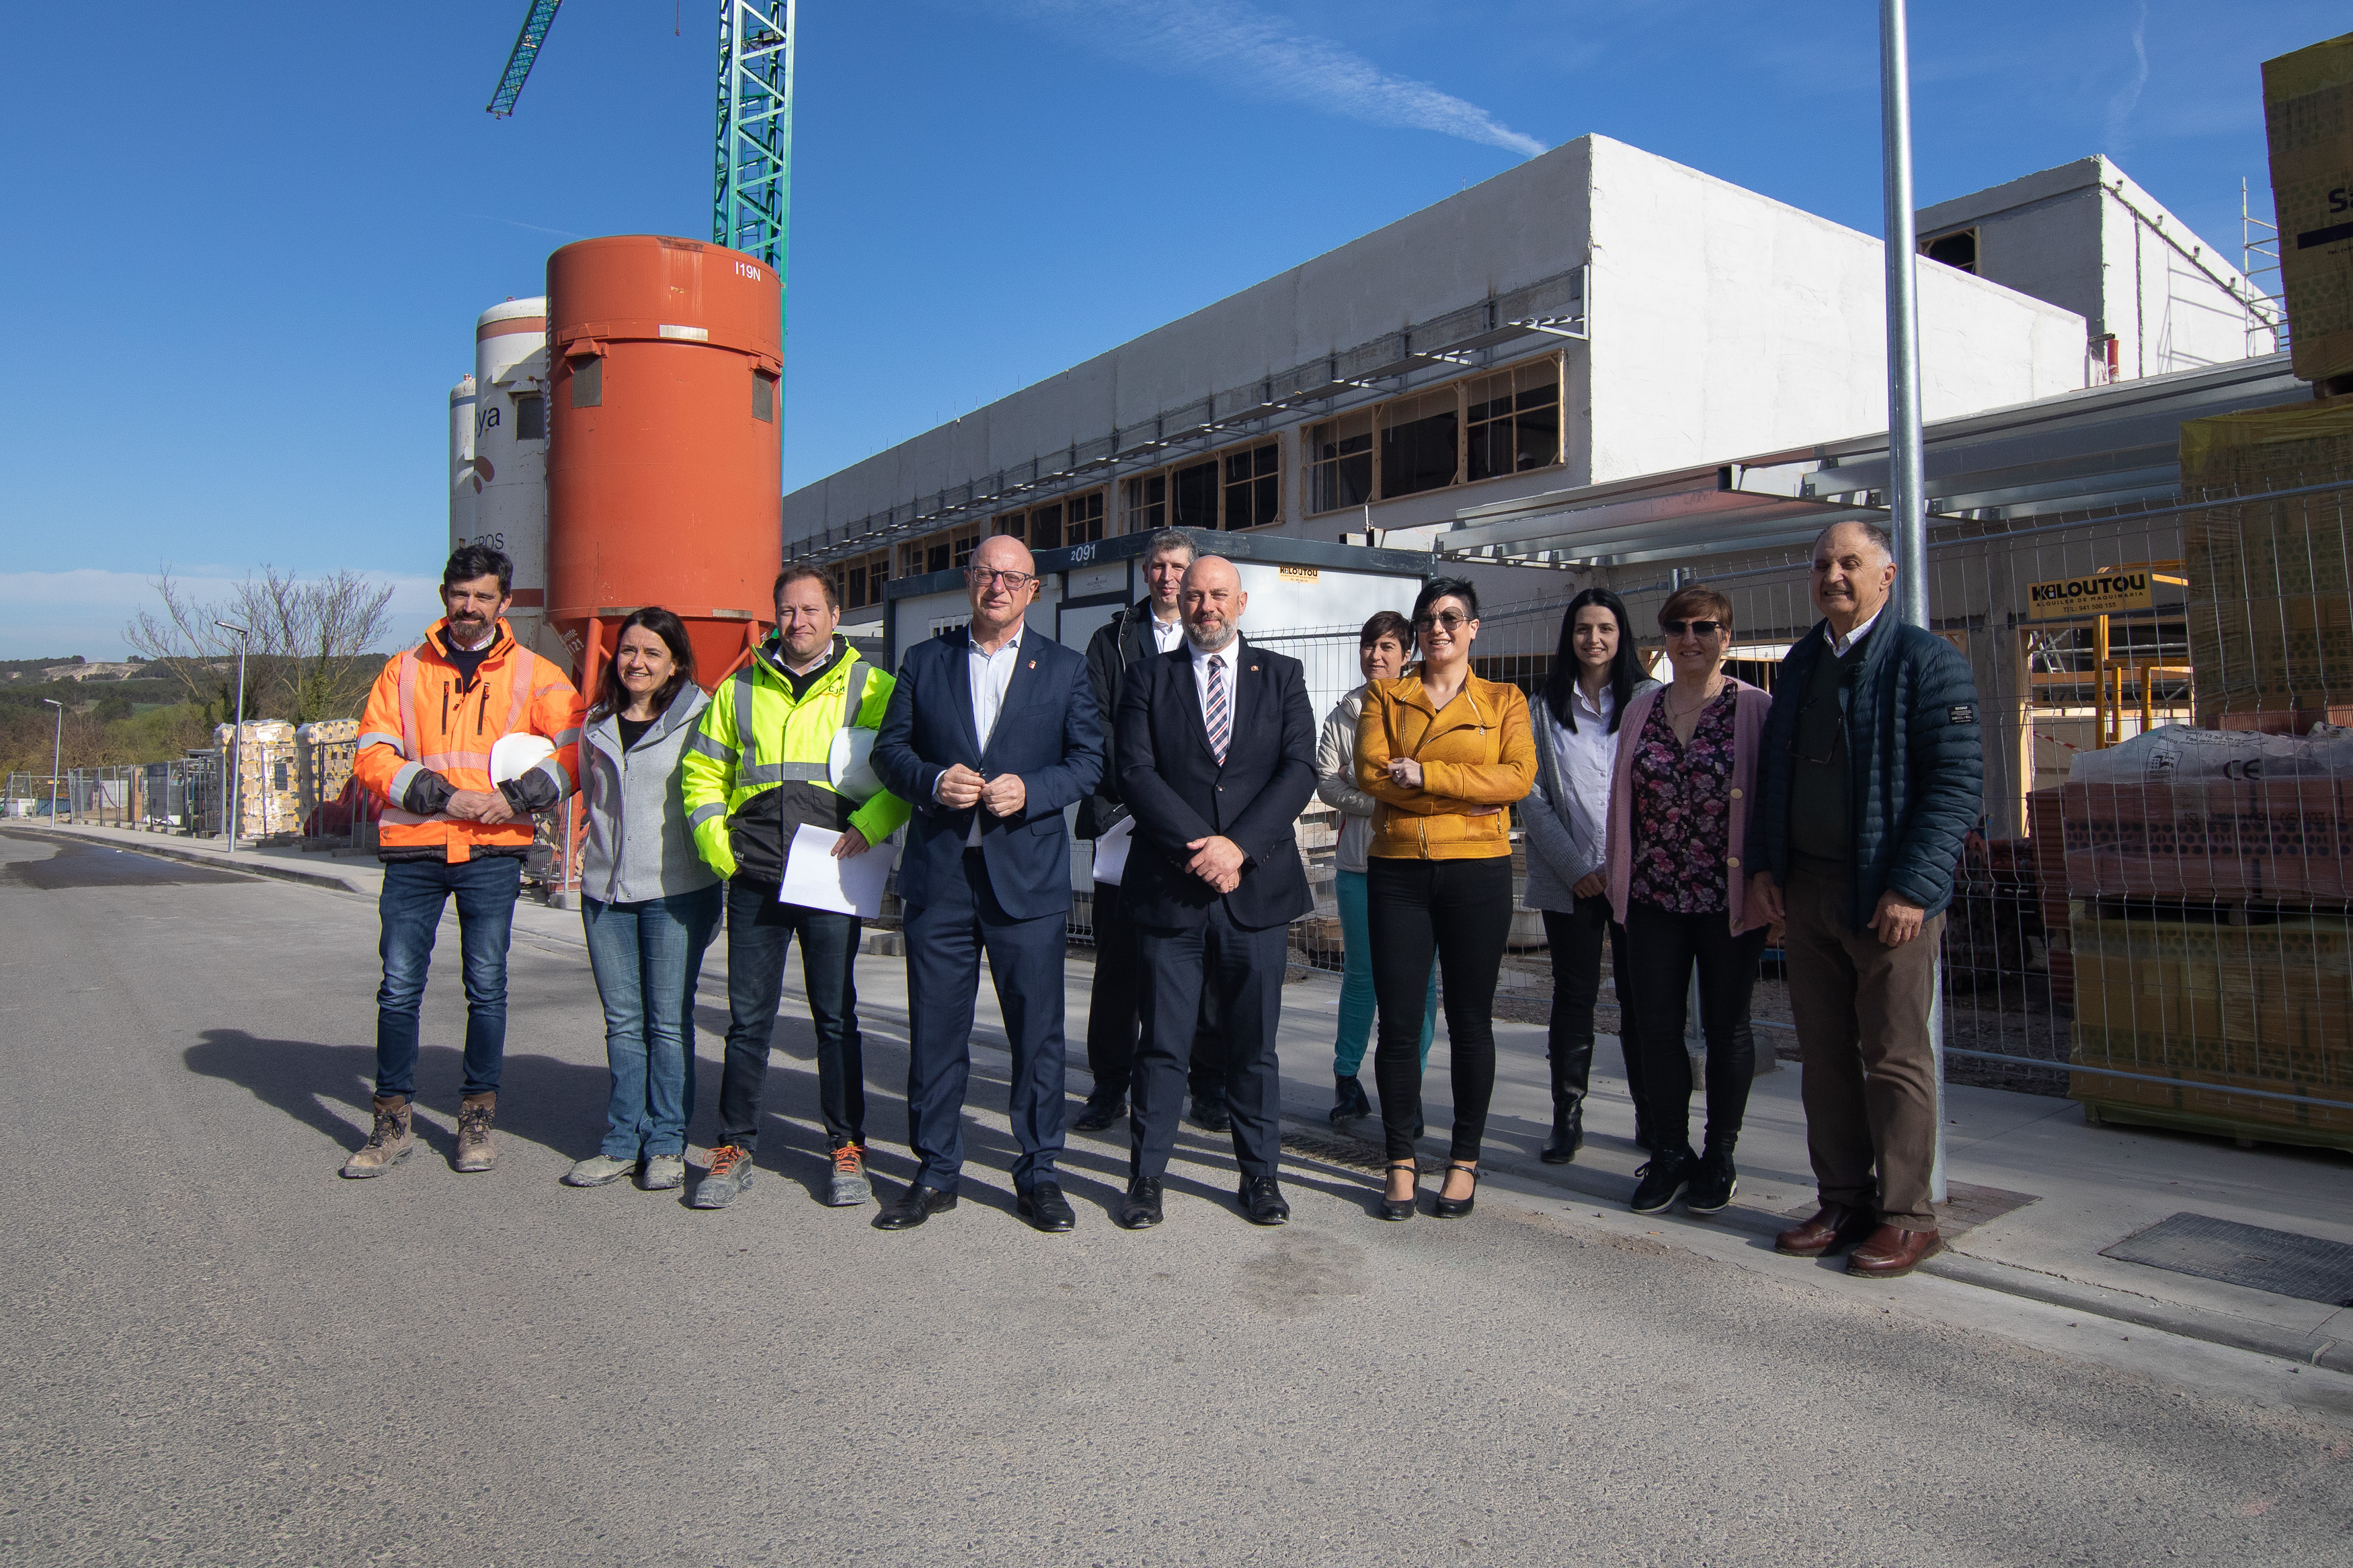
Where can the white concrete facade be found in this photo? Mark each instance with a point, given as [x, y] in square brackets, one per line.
[1716, 320]
[2084, 237]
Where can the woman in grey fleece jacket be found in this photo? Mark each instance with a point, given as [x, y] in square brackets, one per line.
[649, 903]
[1596, 674]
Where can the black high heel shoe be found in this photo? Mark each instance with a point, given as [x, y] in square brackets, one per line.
[1455, 1208]
[1401, 1208]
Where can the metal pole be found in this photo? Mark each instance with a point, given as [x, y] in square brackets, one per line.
[57, 752]
[1907, 492]
[1905, 499]
[237, 734]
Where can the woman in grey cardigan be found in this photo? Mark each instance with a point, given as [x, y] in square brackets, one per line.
[650, 904]
[1595, 674]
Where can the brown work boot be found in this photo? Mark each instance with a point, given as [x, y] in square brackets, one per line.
[1891, 1254]
[389, 1142]
[475, 1149]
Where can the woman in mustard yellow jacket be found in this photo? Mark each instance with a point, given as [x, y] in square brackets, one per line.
[1445, 755]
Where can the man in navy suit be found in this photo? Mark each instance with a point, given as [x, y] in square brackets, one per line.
[1216, 759]
[991, 732]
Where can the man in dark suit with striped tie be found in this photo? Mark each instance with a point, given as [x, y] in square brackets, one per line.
[1216, 759]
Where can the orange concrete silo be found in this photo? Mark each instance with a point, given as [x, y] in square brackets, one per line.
[664, 446]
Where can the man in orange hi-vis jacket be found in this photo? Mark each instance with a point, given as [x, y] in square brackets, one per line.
[447, 830]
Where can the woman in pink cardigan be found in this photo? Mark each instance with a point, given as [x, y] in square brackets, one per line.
[1678, 822]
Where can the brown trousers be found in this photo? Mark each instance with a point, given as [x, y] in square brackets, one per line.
[1870, 1084]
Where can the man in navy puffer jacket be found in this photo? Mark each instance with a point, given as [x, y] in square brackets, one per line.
[1871, 773]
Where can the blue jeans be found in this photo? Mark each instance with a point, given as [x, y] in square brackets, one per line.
[1356, 1006]
[647, 957]
[410, 909]
[760, 932]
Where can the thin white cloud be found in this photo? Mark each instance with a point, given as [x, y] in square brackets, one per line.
[1245, 49]
[2127, 97]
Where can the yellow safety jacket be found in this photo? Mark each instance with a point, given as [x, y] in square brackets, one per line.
[756, 765]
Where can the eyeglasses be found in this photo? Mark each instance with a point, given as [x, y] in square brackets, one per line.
[1696, 628]
[1017, 581]
[1444, 620]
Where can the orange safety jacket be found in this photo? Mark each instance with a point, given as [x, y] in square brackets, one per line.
[429, 731]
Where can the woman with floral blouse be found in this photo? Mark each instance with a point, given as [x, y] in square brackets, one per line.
[1678, 816]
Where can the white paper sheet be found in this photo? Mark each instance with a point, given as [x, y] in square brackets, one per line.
[1111, 850]
[816, 880]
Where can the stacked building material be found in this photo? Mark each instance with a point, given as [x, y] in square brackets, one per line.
[2216, 1000]
[2046, 837]
[324, 753]
[2273, 840]
[2271, 602]
[268, 797]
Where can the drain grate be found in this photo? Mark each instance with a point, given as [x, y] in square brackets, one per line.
[2279, 1261]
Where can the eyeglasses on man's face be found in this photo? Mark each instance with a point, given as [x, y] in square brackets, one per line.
[1444, 620]
[980, 577]
[1696, 628]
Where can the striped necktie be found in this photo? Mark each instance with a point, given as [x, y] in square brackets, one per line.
[1220, 717]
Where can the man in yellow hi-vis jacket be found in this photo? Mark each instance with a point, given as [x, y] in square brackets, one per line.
[753, 773]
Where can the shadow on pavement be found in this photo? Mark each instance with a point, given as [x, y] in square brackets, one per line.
[543, 1100]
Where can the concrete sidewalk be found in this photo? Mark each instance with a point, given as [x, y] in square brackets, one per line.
[2037, 1193]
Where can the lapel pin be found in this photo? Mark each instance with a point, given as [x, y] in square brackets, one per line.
[1033, 664]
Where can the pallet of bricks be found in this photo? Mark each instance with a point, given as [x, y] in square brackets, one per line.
[268, 799]
[2210, 873]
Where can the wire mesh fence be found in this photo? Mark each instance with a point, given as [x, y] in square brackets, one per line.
[2155, 913]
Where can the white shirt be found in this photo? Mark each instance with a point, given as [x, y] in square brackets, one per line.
[1166, 634]
[1588, 757]
[990, 674]
[1231, 655]
[1838, 645]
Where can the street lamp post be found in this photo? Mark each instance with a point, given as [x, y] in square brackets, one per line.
[235, 733]
[57, 752]
[1907, 501]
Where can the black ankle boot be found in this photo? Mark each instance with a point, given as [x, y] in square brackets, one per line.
[1713, 1181]
[1567, 1133]
[1348, 1102]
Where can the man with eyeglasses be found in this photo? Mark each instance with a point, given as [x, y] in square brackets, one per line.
[991, 732]
[1872, 772]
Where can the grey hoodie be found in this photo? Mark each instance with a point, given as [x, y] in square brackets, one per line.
[638, 847]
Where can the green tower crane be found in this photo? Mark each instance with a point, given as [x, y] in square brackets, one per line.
[751, 203]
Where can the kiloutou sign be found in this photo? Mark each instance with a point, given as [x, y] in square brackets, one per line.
[2102, 594]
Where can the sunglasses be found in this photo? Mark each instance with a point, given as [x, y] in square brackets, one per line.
[1445, 620]
[1696, 628]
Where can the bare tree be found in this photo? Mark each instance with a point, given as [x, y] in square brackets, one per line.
[302, 656]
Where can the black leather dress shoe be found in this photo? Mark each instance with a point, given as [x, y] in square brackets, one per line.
[1100, 1114]
[1140, 1210]
[1044, 1206]
[1262, 1201]
[918, 1204]
[1212, 1117]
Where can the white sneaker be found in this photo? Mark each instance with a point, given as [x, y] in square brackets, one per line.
[597, 1170]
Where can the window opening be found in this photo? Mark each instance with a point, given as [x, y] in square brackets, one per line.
[530, 416]
[1515, 420]
[1013, 523]
[1045, 526]
[1340, 462]
[1085, 521]
[1417, 443]
[1147, 503]
[764, 396]
[1195, 502]
[588, 382]
[1958, 249]
[1253, 486]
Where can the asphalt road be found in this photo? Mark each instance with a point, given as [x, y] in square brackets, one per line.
[217, 1351]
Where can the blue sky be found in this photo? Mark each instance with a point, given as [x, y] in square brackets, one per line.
[245, 245]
